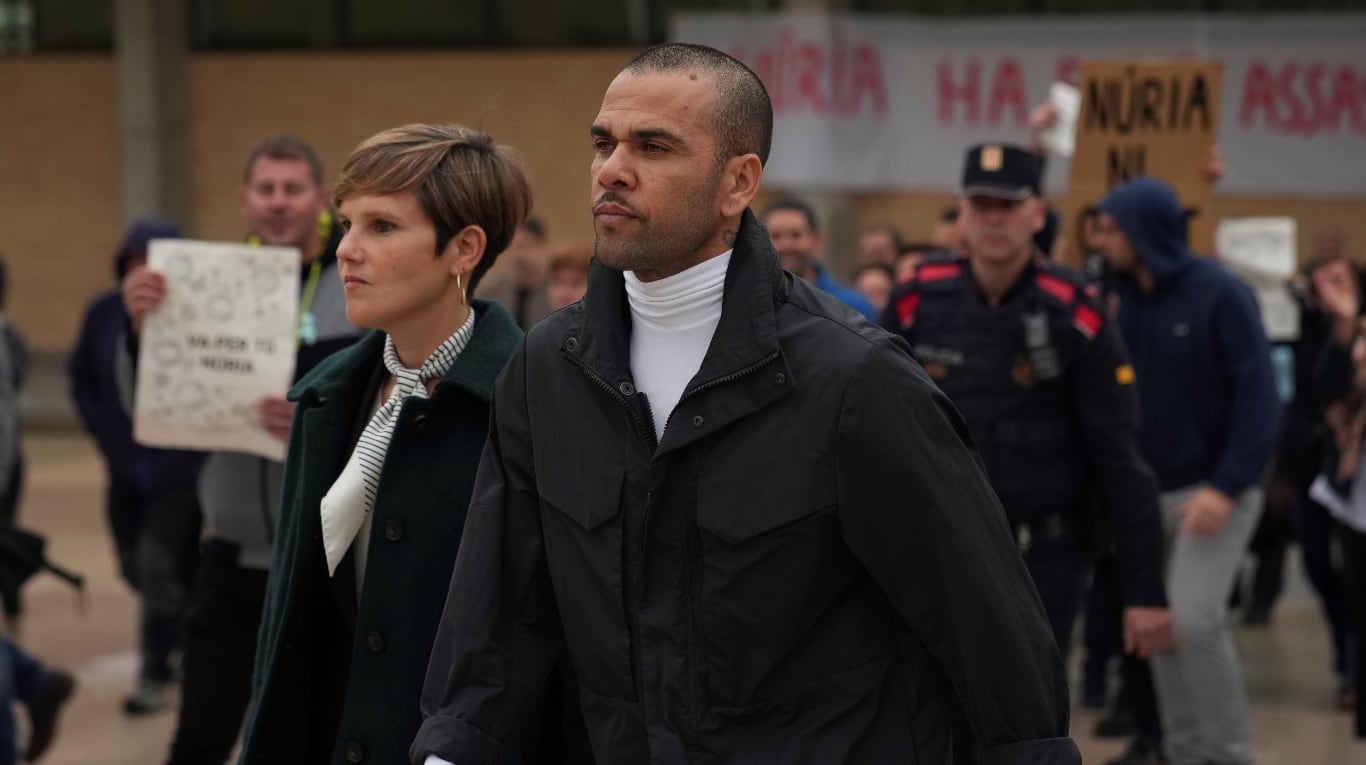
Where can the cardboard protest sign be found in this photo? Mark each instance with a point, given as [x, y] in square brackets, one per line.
[223, 339]
[1262, 252]
[1154, 118]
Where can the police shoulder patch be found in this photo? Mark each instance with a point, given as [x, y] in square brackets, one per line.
[1061, 289]
[1087, 320]
[938, 271]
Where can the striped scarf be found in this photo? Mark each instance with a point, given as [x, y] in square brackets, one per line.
[352, 496]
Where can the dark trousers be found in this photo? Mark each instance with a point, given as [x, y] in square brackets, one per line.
[19, 676]
[11, 599]
[156, 538]
[1270, 543]
[1059, 567]
[1104, 639]
[1354, 559]
[1104, 635]
[1313, 527]
[220, 650]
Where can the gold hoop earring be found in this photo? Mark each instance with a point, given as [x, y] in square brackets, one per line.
[460, 289]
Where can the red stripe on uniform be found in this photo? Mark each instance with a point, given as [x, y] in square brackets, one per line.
[933, 272]
[1056, 287]
[905, 308]
[1086, 320]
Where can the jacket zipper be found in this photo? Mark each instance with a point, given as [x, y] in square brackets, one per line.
[691, 737]
[732, 377]
[645, 429]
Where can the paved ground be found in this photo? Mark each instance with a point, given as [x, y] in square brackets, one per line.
[1288, 676]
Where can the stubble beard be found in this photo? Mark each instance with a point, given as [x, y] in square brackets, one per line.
[667, 249]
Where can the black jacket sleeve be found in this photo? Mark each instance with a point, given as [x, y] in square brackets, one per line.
[85, 379]
[500, 631]
[941, 549]
[1107, 412]
[1333, 371]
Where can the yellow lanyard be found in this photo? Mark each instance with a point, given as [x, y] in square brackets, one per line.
[306, 302]
[314, 273]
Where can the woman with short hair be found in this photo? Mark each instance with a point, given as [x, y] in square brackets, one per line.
[386, 439]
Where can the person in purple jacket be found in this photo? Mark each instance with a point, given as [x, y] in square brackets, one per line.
[151, 503]
[1211, 420]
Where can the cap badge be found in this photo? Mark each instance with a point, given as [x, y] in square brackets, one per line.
[992, 159]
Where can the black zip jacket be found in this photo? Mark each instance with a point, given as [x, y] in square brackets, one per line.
[809, 567]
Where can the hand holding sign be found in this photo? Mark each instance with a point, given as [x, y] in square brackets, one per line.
[1261, 251]
[217, 346]
[143, 290]
[1059, 134]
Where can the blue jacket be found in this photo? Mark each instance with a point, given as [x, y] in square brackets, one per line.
[1210, 407]
[850, 296]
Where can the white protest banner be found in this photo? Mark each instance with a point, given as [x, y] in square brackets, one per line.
[867, 103]
[223, 339]
[1262, 252]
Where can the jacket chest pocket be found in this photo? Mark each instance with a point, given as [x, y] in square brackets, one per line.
[581, 507]
[747, 505]
[766, 538]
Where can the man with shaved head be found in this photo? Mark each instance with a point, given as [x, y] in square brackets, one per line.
[687, 490]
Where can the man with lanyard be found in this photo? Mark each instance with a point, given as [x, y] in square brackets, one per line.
[284, 202]
[1029, 359]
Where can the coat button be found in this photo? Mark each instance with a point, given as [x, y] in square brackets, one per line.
[322, 400]
[780, 379]
[355, 752]
[698, 422]
[423, 422]
[393, 531]
[627, 389]
[571, 345]
[374, 642]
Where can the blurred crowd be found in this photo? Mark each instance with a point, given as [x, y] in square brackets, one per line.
[194, 533]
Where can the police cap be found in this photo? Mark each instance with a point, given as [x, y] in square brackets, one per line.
[1001, 171]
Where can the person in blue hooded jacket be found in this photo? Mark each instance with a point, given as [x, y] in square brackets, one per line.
[1211, 418]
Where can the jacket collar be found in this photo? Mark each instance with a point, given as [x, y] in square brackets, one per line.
[474, 371]
[599, 332]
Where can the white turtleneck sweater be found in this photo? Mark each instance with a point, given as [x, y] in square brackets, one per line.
[672, 322]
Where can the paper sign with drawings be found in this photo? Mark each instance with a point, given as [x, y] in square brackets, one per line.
[223, 339]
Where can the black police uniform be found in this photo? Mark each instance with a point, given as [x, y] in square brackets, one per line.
[1046, 388]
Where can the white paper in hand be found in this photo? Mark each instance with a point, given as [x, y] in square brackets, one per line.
[222, 340]
[1262, 251]
[1061, 137]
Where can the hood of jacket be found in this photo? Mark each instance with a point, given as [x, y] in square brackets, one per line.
[140, 233]
[1151, 216]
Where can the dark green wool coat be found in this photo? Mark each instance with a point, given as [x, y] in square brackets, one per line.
[336, 682]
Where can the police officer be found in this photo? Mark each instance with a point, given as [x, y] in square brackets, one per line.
[1031, 361]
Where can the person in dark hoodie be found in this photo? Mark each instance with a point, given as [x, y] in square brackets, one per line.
[1211, 413]
[151, 503]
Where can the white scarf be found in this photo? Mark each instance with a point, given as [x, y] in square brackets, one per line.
[352, 496]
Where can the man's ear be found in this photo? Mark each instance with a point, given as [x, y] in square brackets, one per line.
[740, 180]
[1040, 213]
